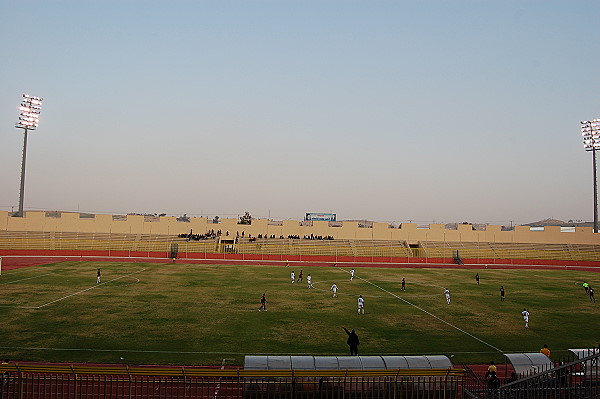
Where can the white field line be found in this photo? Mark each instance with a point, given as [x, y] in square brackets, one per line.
[123, 351]
[87, 289]
[426, 312]
[18, 307]
[137, 280]
[199, 352]
[28, 278]
[343, 291]
[313, 283]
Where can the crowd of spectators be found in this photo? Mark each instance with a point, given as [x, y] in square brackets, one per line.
[197, 237]
[309, 237]
[212, 235]
[290, 237]
[313, 237]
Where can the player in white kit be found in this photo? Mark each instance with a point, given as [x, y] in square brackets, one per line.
[293, 277]
[351, 274]
[361, 305]
[308, 281]
[447, 293]
[525, 314]
[334, 289]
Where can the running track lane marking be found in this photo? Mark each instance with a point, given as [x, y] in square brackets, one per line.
[425, 311]
[87, 289]
[218, 387]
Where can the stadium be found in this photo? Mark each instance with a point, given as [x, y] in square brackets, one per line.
[388, 157]
[174, 312]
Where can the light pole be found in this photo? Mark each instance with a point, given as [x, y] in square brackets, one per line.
[591, 142]
[28, 120]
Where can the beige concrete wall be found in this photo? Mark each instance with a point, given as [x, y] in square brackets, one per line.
[135, 224]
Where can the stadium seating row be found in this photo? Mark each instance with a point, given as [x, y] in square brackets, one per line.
[56, 241]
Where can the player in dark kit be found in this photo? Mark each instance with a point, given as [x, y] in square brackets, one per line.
[300, 276]
[591, 292]
[98, 277]
[403, 284]
[477, 278]
[263, 303]
[502, 293]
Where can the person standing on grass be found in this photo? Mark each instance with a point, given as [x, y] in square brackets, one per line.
[591, 292]
[403, 288]
[98, 277]
[545, 350]
[293, 276]
[352, 342]
[447, 294]
[308, 281]
[525, 314]
[351, 274]
[586, 287]
[477, 278]
[300, 276]
[361, 305]
[263, 303]
[334, 289]
[501, 293]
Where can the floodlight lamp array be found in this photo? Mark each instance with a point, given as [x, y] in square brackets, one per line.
[590, 130]
[30, 108]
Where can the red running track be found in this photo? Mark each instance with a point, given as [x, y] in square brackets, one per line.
[17, 261]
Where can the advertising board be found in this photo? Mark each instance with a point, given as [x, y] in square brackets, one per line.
[329, 217]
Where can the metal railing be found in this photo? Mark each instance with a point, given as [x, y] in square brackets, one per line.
[578, 379]
[74, 382]
[119, 243]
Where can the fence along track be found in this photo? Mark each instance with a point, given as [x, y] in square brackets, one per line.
[78, 241]
[73, 382]
[578, 379]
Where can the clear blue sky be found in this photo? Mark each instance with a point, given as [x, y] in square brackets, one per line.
[444, 111]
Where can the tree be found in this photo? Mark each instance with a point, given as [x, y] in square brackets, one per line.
[184, 218]
[246, 218]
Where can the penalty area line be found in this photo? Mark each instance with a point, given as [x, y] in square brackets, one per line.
[120, 350]
[429, 313]
[39, 348]
[28, 278]
[87, 289]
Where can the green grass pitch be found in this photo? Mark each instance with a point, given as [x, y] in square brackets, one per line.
[202, 314]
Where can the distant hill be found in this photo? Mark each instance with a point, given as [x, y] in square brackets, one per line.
[557, 222]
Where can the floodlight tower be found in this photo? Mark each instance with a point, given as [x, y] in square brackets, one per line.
[591, 142]
[28, 120]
